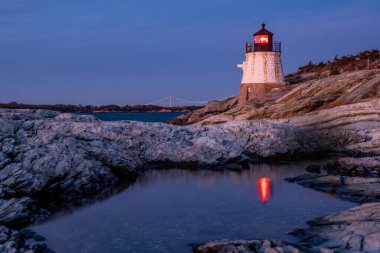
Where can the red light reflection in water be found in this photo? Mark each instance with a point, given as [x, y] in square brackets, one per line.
[264, 188]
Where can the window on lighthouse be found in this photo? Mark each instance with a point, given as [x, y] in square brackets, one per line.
[261, 39]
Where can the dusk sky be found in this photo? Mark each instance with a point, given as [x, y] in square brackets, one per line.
[137, 51]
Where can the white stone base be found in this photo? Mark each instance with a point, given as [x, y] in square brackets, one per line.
[262, 67]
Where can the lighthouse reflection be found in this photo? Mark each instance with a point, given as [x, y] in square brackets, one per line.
[264, 187]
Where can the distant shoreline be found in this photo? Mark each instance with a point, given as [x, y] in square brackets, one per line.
[132, 112]
[98, 109]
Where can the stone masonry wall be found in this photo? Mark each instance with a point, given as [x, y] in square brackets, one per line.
[262, 71]
[249, 91]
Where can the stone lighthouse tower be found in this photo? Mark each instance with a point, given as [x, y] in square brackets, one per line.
[262, 68]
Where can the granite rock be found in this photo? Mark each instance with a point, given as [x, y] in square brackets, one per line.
[353, 230]
[63, 157]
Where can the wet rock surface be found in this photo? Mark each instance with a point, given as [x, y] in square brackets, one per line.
[350, 178]
[356, 189]
[20, 209]
[12, 241]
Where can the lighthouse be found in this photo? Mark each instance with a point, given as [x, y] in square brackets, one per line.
[262, 68]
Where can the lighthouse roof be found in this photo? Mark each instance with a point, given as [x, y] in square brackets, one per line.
[263, 31]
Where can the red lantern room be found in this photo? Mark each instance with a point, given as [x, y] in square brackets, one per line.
[263, 40]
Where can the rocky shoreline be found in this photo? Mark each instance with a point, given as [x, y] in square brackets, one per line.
[344, 110]
[12, 241]
[356, 182]
[50, 161]
[353, 230]
[47, 157]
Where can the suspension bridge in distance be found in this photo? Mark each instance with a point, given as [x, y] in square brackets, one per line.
[171, 101]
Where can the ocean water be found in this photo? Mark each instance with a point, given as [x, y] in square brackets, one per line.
[167, 210]
[137, 116]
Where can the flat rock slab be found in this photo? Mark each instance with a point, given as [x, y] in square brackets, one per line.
[353, 230]
[351, 178]
[356, 189]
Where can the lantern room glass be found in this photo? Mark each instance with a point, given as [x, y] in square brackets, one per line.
[261, 39]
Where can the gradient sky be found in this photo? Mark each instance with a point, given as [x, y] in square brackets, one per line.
[137, 51]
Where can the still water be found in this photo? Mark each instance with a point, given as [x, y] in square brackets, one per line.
[137, 116]
[166, 210]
